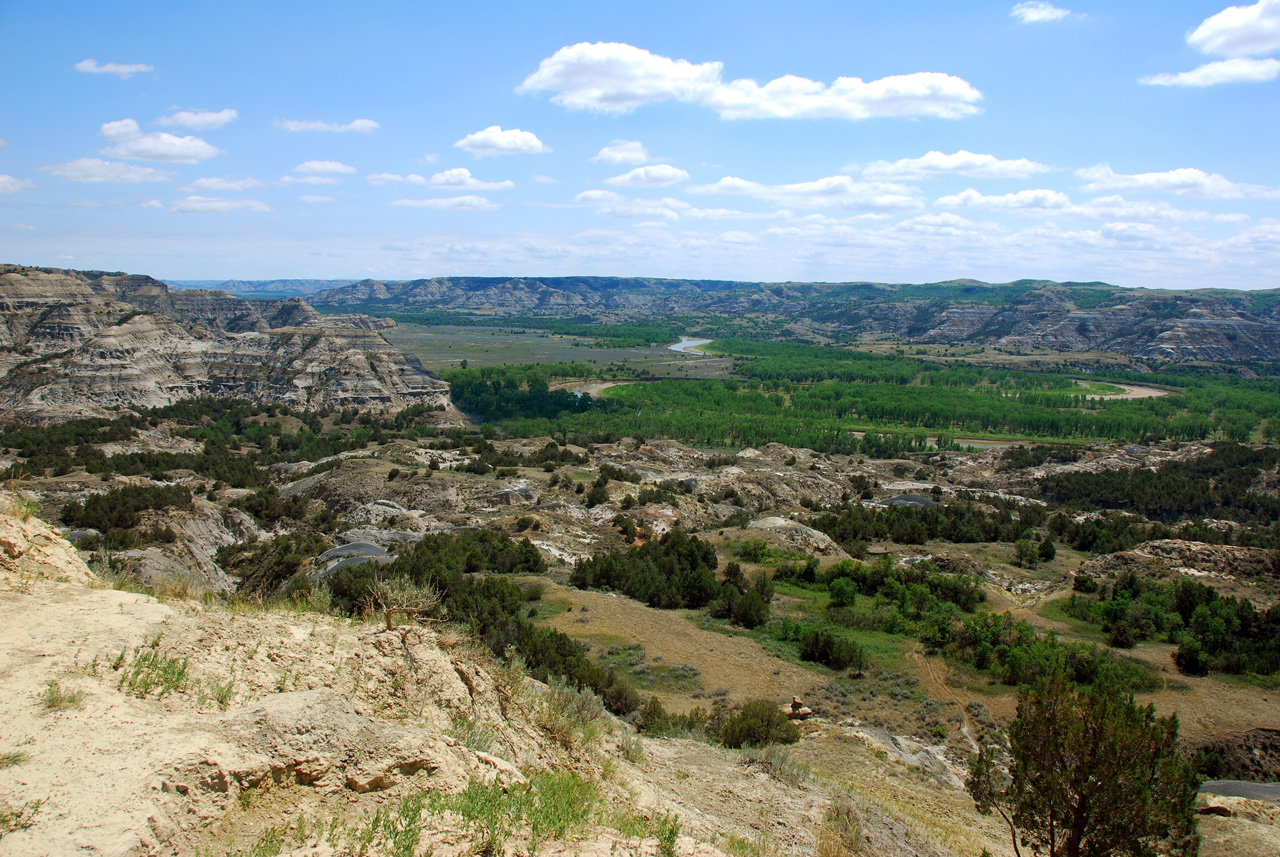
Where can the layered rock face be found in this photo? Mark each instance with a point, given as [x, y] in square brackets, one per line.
[75, 343]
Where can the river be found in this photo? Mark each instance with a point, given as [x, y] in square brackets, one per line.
[688, 346]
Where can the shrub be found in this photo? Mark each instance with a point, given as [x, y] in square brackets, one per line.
[760, 722]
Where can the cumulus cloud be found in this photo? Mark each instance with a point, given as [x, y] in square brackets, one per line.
[1187, 181]
[315, 200]
[1038, 12]
[541, 179]
[9, 184]
[622, 152]
[201, 204]
[494, 141]
[219, 184]
[831, 192]
[324, 167]
[1239, 70]
[121, 70]
[962, 163]
[617, 78]
[451, 203]
[359, 126]
[134, 145]
[199, 120]
[1239, 31]
[96, 170]
[460, 178]
[655, 175]
[1038, 199]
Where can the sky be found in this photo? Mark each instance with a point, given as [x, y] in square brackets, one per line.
[1131, 143]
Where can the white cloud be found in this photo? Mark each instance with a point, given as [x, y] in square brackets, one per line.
[9, 184]
[610, 77]
[1038, 12]
[1119, 208]
[831, 192]
[789, 97]
[1239, 31]
[315, 200]
[1023, 199]
[218, 184]
[622, 152]
[460, 178]
[324, 167]
[616, 78]
[452, 203]
[1239, 70]
[963, 163]
[199, 120]
[123, 70]
[1187, 181]
[394, 178]
[541, 179]
[98, 170]
[360, 126]
[131, 143]
[612, 204]
[288, 180]
[201, 204]
[655, 175]
[495, 141]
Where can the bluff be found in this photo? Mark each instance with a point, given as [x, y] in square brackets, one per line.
[74, 343]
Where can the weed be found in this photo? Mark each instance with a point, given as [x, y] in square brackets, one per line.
[562, 802]
[569, 715]
[841, 832]
[490, 812]
[776, 761]
[9, 760]
[666, 829]
[632, 748]
[223, 693]
[57, 699]
[473, 733]
[151, 670]
[17, 817]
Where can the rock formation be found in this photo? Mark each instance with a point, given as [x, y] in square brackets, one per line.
[75, 343]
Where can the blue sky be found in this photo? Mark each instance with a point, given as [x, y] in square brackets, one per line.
[1133, 143]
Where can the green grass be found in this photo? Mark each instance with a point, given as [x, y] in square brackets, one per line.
[54, 698]
[1055, 611]
[151, 670]
[9, 760]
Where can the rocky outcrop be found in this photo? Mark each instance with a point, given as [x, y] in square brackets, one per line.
[77, 343]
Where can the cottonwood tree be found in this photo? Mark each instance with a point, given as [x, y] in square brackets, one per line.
[1092, 774]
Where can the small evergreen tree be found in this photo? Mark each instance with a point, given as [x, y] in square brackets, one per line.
[1092, 775]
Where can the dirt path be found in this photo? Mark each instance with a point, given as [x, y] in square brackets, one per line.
[734, 664]
[939, 688]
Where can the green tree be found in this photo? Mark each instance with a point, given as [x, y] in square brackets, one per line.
[1092, 774]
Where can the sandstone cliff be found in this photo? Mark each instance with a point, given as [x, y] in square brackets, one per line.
[77, 342]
